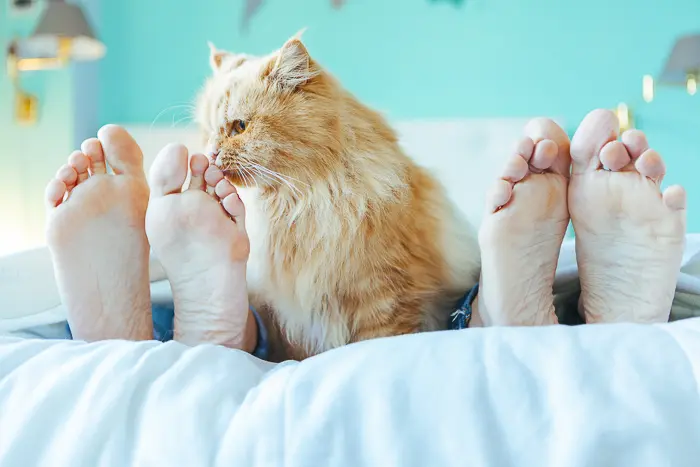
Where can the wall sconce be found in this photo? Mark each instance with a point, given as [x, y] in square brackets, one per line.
[624, 116]
[62, 35]
[682, 68]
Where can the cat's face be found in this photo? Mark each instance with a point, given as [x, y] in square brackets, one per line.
[272, 119]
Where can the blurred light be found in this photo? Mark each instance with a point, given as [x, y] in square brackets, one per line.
[624, 117]
[692, 84]
[648, 88]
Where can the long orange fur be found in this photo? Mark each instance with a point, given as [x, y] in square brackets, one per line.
[350, 239]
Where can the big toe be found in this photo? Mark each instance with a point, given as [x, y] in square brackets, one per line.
[554, 157]
[121, 150]
[597, 129]
[169, 170]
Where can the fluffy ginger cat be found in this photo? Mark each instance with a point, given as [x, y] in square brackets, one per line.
[350, 239]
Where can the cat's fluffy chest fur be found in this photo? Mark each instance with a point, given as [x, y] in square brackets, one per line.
[328, 282]
[264, 293]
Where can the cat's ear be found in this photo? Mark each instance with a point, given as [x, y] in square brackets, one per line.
[221, 60]
[293, 66]
[216, 57]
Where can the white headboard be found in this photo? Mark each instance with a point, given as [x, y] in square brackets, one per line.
[466, 155]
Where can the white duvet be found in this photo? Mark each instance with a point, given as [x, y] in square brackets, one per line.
[605, 395]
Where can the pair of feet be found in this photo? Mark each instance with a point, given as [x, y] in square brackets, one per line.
[101, 226]
[629, 235]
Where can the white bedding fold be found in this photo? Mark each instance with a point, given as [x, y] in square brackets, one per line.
[623, 395]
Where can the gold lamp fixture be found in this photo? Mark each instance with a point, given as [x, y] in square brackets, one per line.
[62, 35]
[682, 68]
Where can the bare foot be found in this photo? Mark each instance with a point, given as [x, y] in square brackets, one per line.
[523, 229]
[201, 241]
[629, 236]
[97, 239]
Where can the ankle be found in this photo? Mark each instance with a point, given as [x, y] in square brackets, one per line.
[232, 326]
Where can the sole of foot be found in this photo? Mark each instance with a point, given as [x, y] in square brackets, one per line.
[522, 231]
[629, 235]
[198, 234]
[96, 235]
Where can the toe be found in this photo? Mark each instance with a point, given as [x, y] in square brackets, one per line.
[499, 195]
[68, 176]
[674, 197]
[231, 202]
[614, 156]
[121, 151]
[636, 143]
[525, 148]
[80, 164]
[598, 129]
[213, 175]
[224, 189]
[93, 149]
[55, 192]
[515, 170]
[541, 129]
[198, 165]
[545, 154]
[169, 170]
[651, 165]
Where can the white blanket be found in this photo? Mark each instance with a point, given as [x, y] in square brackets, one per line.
[622, 395]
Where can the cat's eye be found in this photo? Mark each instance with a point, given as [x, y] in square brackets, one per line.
[235, 127]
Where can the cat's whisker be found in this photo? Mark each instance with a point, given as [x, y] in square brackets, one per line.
[252, 171]
[240, 171]
[189, 107]
[279, 174]
[272, 181]
[248, 176]
[252, 176]
[278, 177]
[284, 180]
[264, 176]
[187, 118]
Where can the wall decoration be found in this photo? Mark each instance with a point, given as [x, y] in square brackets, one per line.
[454, 2]
[252, 6]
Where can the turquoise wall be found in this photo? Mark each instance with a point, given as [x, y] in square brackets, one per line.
[408, 58]
[417, 58]
[30, 154]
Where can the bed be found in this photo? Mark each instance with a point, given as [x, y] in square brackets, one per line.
[622, 395]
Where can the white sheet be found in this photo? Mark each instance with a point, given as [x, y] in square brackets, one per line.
[622, 395]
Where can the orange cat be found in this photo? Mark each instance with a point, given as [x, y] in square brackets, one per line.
[350, 239]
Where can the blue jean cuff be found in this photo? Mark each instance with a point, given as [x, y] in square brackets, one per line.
[460, 318]
[262, 347]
